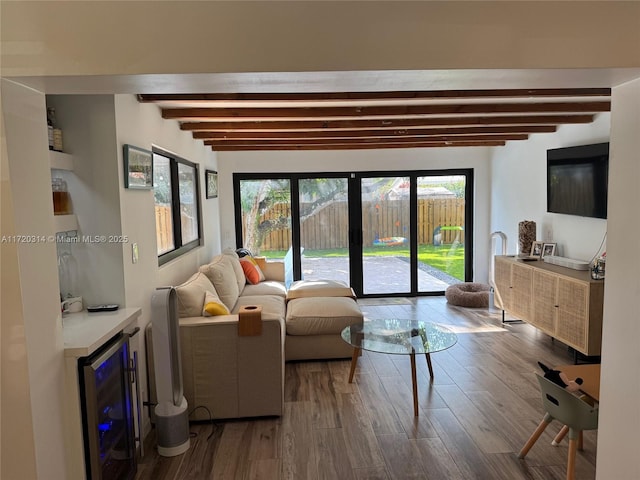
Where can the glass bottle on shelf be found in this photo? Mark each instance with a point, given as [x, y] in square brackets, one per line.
[50, 116]
[61, 198]
[55, 134]
[67, 271]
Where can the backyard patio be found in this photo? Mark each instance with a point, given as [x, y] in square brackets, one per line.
[381, 274]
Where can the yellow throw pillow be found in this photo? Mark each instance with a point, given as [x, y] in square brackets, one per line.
[213, 306]
[261, 262]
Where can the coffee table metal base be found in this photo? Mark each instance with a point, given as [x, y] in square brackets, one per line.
[414, 379]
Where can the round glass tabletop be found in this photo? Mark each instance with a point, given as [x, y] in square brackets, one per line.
[399, 336]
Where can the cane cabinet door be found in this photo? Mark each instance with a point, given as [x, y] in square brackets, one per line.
[503, 283]
[573, 313]
[521, 284]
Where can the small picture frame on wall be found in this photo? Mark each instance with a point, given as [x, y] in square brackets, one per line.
[548, 249]
[138, 168]
[211, 182]
[536, 249]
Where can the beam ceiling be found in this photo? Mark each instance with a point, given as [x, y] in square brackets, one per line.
[390, 119]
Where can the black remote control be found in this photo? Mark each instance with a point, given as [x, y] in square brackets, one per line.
[103, 308]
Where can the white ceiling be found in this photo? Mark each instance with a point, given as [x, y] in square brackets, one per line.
[354, 81]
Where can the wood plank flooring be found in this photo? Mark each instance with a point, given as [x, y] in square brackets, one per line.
[476, 415]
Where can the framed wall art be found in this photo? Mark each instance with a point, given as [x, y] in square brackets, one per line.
[138, 168]
[211, 182]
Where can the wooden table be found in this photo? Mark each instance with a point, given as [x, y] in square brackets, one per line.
[589, 373]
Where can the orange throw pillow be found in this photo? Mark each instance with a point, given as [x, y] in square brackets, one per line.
[251, 272]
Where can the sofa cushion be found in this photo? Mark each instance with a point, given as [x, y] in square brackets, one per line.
[221, 274]
[213, 306]
[273, 306]
[268, 287]
[232, 256]
[321, 315]
[272, 270]
[319, 288]
[191, 295]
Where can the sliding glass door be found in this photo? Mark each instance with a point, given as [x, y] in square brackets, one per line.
[303, 220]
[441, 231]
[264, 216]
[324, 228]
[385, 225]
[382, 233]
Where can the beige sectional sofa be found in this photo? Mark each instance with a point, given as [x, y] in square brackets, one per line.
[238, 376]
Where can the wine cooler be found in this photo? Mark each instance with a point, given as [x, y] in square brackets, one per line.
[107, 412]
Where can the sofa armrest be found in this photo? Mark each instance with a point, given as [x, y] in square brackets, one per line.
[233, 376]
[273, 270]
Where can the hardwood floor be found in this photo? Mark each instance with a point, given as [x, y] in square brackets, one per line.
[482, 406]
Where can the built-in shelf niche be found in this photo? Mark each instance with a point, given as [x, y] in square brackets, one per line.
[65, 223]
[63, 161]
[60, 160]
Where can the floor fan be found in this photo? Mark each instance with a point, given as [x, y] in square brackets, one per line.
[172, 416]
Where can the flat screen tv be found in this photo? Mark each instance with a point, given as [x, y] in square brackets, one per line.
[577, 180]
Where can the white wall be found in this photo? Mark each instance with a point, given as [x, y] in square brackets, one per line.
[32, 405]
[519, 191]
[364, 160]
[95, 128]
[142, 125]
[619, 421]
[88, 125]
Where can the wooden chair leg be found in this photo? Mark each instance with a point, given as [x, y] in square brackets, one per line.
[580, 441]
[571, 462]
[536, 435]
[561, 434]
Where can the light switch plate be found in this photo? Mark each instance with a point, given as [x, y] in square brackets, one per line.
[134, 252]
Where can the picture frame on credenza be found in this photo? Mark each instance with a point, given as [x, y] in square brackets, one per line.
[548, 249]
[536, 249]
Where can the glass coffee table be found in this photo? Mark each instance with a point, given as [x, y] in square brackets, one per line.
[399, 337]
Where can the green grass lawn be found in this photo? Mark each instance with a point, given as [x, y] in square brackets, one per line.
[446, 258]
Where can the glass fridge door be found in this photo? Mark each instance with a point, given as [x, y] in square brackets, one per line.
[108, 413]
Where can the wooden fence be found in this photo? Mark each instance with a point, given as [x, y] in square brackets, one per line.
[328, 228]
[164, 228]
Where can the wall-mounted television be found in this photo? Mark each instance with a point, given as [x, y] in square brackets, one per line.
[577, 180]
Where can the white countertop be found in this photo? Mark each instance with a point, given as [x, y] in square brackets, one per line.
[85, 332]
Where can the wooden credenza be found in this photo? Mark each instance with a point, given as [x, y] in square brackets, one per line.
[564, 303]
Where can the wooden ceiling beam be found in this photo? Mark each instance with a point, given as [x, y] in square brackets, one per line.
[396, 119]
[383, 111]
[412, 132]
[368, 140]
[360, 146]
[395, 95]
[389, 123]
